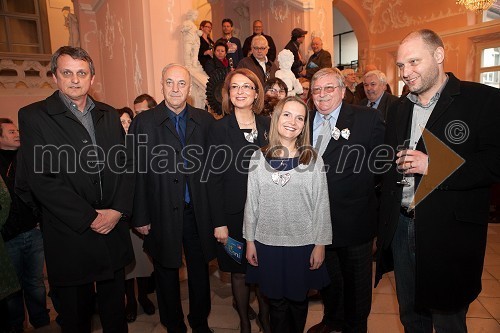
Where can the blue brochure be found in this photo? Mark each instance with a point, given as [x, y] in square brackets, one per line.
[234, 249]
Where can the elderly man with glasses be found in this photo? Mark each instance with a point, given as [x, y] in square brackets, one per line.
[258, 62]
[346, 136]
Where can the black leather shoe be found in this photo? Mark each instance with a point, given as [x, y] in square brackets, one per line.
[321, 328]
[147, 306]
[131, 312]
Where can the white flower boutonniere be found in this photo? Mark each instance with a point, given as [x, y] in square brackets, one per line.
[336, 133]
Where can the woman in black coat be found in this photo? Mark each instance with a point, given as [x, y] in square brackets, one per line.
[205, 52]
[233, 139]
[219, 60]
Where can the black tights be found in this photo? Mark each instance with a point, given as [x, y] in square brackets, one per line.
[241, 294]
[142, 290]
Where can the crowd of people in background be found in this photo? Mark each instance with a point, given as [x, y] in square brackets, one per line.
[290, 211]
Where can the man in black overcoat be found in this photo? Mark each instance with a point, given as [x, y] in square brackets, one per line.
[77, 167]
[436, 245]
[171, 204]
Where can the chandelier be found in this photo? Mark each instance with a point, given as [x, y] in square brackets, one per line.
[476, 5]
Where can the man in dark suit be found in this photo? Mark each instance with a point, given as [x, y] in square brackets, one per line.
[258, 30]
[67, 147]
[346, 136]
[436, 245]
[319, 59]
[171, 204]
[375, 85]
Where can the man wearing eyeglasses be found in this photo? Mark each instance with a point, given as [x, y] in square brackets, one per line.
[258, 30]
[345, 136]
[258, 62]
[170, 202]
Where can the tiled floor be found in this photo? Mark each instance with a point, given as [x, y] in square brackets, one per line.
[483, 315]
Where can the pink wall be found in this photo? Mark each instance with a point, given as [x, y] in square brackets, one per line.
[132, 40]
[381, 24]
[12, 103]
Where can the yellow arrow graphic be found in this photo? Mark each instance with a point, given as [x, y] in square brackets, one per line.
[443, 162]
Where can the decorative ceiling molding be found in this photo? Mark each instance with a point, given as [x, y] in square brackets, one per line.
[477, 30]
[386, 15]
[90, 5]
[302, 4]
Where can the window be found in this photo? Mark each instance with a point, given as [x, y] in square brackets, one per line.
[489, 64]
[493, 13]
[24, 27]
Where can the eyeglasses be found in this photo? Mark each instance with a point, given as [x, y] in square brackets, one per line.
[259, 48]
[276, 91]
[207, 26]
[326, 89]
[246, 88]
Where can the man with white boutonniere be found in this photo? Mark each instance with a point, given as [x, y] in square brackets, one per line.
[345, 136]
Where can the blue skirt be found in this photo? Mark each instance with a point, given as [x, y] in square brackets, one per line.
[283, 272]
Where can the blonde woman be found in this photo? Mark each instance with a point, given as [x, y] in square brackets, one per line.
[287, 217]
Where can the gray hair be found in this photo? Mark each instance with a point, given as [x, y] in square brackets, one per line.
[259, 37]
[381, 76]
[328, 71]
[171, 65]
[73, 52]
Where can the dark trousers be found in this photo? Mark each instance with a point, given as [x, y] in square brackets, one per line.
[287, 315]
[26, 254]
[168, 288]
[348, 298]
[76, 305]
[403, 249]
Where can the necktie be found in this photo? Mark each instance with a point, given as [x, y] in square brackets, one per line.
[182, 135]
[372, 104]
[325, 134]
[180, 130]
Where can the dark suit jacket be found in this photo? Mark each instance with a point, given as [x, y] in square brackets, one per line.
[252, 64]
[322, 59]
[271, 54]
[212, 64]
[231, 152]
[161, 180]
[70, 188]
[297, 64]
[451, 222]
[351, 184]
[385, 102]
[350, 97]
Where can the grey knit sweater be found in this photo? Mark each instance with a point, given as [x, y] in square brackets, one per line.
[295, 214]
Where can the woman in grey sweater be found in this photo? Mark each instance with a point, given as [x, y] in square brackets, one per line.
[287, 217]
